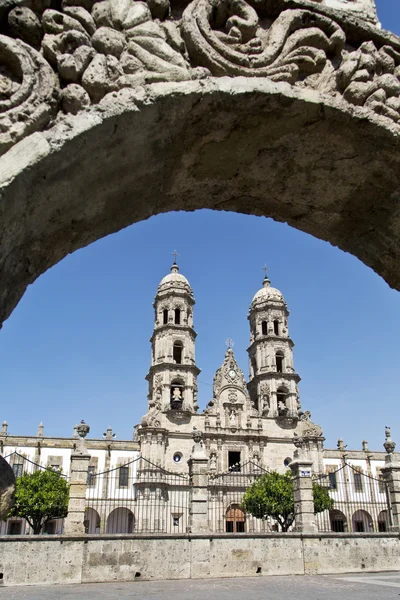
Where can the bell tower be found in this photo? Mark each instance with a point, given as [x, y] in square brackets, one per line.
[273, 380]
[173, 372]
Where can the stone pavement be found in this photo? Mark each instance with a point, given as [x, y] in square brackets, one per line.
[380, 586]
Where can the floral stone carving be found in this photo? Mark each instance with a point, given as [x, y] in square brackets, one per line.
[229, 39]
[67, 55]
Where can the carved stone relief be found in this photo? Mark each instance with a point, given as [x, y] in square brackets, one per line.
[66, 56]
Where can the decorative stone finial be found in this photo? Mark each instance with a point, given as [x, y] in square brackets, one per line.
[175, 268]
[299, 442]
[365, 446]
[340, 445]
[82, 430]
[389, 444]
[40, 430]
[4, 428]
[109, 435]
[198, 448]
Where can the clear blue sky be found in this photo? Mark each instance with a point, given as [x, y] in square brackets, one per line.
[77, 346]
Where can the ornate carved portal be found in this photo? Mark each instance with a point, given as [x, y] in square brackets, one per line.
[63, 57]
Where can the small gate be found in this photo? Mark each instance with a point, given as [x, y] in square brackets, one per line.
[225, 495]
[137, 497]
[361, 502]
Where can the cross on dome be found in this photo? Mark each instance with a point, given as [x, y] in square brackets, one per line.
[175, 255]
[265, 269]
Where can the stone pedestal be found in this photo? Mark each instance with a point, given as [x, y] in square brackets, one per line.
[74, 523]
[391, 473]
[305, 520]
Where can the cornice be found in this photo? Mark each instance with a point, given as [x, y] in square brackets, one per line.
[270, 338]
[172, 367]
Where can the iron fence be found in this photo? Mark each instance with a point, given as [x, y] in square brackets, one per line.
[225, 496]
[361, 502]
[137, 497]
[15, 525]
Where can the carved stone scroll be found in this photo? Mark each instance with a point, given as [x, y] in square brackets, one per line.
[27, 86]
[229, 38]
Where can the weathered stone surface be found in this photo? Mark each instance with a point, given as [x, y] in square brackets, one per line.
[24, 23]
[316, 45]
[313, 96]
[89, 559]
[74, 99]
[245, 145]
[7, 488]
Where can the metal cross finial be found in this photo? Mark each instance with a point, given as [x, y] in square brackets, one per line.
[265, 269]
[229, 343]
[175, 255]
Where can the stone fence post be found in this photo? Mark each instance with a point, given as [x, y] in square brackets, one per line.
[304, 517]
[198, 501]
[391, 474]
[74, 522]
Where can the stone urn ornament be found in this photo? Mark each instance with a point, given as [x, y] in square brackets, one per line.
[82, 429]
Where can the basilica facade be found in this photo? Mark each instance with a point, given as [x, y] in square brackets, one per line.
[252, 421]
[247, 428]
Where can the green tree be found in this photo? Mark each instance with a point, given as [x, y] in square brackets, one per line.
[271, 495]
[40, 497]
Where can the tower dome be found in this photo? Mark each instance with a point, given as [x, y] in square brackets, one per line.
[174, 280]
[266, 294]
[273, 380]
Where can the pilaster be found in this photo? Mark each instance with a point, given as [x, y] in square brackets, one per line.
[74, 522]
[198, 472]
[304, 516]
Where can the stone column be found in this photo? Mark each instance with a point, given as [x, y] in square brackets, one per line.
[391, 473]
[74, 522]
[198, 502]
[301, 468]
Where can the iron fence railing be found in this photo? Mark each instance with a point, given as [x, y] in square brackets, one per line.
[361, 501]
[16, 525]
[137, 497]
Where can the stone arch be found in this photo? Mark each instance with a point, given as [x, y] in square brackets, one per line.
[92, 521]
[120, 520]
[318, 152]
[338, 521]
[362, 521]
[383, 521]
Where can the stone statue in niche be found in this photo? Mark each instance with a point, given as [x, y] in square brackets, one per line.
[232, 418]
[177, 394]
[213, 461]
[265, 404]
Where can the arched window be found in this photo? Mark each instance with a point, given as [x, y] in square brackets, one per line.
[276, 327]
[264, 328]
[383, 521]
[165, 316]
[338, 521]
[362, 521]
[254, 365]
[177, 316]
[177, 352]
[177, 390]
[279, 358]
[281, 401]
[120, 520]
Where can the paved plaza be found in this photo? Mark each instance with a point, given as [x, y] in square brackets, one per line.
[379, 586]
